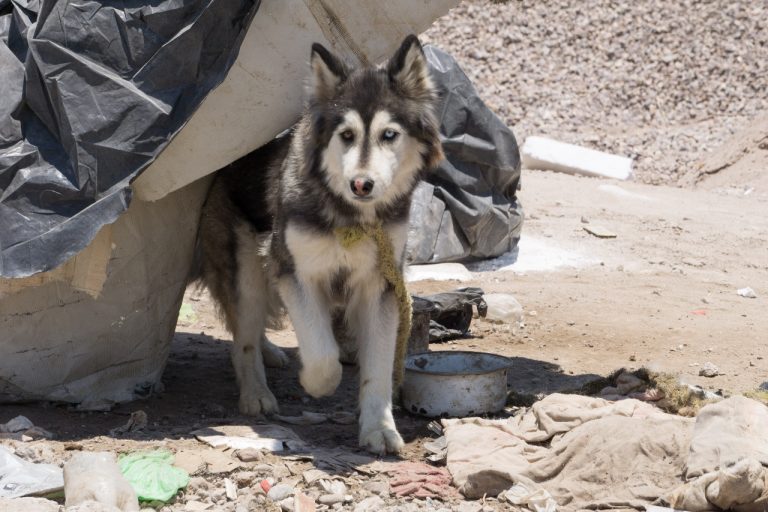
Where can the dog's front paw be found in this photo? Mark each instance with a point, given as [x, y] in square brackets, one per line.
[274, 357]
[254, 403]
[382, 440]
[321, 378]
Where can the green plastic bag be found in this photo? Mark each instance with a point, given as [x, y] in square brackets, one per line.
[152, 475]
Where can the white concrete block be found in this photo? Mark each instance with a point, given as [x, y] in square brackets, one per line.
[546, 154]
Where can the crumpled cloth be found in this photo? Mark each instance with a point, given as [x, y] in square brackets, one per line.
[153, 475]
[586, 452]
[727, 460]
[738, 423]
[419, 480]
[590, 453]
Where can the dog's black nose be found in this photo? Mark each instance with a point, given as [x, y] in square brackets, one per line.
[361, 186]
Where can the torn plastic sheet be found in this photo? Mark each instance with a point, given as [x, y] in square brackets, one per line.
[21, 478]
[91, 94]
[467, 209]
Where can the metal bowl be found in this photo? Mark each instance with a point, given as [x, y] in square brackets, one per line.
[455, 384]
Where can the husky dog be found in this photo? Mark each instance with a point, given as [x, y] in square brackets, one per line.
[269, 225]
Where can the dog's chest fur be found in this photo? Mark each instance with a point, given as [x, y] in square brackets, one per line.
[321, 259]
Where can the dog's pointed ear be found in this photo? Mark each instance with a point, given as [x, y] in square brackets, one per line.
[408, 70]
[328, 72]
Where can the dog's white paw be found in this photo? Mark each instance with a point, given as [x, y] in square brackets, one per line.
[256, 402]
[321, 378]
[274, 357]
[382, 440]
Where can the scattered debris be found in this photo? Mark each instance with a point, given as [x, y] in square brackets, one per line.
[22, 478]
[28, 505]
[17, 424]
[280, 491]
[370, 504]
[21, 428]
[599, 231]
[230, 489]
[438, 272]
[747, 293]
[419, 480]
[96, 476]
[438, 450]
[342, 461]
[273, 438]
[197, 461]
[152, 475]
[137, 421]
[378, 487]
[539, 500]
[306, 418]
[709, 370]
[249, 454]
[545, 154]
[504, 308]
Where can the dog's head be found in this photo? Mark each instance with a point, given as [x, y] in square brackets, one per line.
[374, 129]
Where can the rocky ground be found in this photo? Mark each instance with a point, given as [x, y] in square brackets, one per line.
[660, 292]
[661, 82]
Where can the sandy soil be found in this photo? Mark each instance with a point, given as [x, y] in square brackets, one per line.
[661, 294]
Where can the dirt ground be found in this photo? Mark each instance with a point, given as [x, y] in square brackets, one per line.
[661, 294]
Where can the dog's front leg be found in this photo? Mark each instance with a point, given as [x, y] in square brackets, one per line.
[376, 320]
[307, 306]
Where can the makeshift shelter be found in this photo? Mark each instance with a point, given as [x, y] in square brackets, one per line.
[114, 118]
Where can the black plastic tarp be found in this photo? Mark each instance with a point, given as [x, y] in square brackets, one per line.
[91, 91]
[468, 207]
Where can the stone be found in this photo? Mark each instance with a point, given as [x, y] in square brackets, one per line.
[279, 492]
[709, 370]
[369, 504]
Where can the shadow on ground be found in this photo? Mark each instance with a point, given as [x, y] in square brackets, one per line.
[200, 390]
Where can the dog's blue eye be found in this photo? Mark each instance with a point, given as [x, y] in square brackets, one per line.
[347, 135]
[389, 135]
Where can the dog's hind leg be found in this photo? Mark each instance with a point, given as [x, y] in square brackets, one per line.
[374, 318]
[252, 310]
[311, 318]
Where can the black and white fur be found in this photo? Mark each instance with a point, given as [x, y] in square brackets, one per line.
[365, 140]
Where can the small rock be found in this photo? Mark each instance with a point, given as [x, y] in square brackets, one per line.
[469, 506]
[197, 482]
[633, 357]
[584, 220]
[279, 492]
[244, 478]
[287, 505]
[17, 424]
[709, 370]
[747, 293]
[312, 475]
[377, 487]
[250, 455]
[330, 499]
[230, 489]
[196, 506]
[333, 487]
[35, 433]
[369, 504]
